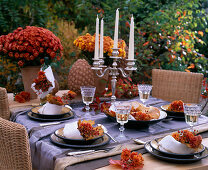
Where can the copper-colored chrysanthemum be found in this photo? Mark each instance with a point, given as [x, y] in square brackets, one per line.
[188, 138]
[29, 44]
[87, 130]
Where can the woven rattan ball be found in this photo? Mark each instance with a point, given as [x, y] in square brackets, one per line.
[80, 74]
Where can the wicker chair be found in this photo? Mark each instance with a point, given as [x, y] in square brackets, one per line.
[176, 85]
[14, 147]
[4, 104]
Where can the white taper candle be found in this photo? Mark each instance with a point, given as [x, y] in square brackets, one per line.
[116, 30]
[96, 39]
[101, 38]
[131, 39]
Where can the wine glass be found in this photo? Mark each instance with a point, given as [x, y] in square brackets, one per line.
[122, 110]
[144, 92]
[191, 112]
[88, 93]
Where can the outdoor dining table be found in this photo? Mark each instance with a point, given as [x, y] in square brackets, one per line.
[46, 155]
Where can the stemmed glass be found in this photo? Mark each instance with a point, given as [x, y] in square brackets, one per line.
[122, 110]
[144, 92]
[88, 93]
[192, 112]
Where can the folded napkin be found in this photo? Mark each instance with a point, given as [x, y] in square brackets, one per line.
[71, 131]
[50, 109]
[169, 144]
[201, 128]
[61, 163]
[50, 77]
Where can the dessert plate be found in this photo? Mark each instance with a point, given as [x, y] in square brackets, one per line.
[164, 157]
[155, 145]
[163, 115]
[176, 115]
[60, 133]
[36, 117]
[64, 111]
[99, 142]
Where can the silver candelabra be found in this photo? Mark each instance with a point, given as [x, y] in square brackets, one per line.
[101, 69]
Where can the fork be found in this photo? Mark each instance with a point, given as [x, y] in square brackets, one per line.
[80, 153]
[48, 124]
[106, 132]
[138, 141]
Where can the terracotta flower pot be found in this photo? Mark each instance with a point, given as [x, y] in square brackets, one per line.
[29, 73]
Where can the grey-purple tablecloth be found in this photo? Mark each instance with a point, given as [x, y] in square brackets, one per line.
[44, 152]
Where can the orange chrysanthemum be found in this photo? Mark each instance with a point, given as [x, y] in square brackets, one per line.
[176, 106]
[87, 130]
[69, 95]
[41, 82]
[22, 97]
[188, 138]
[55, 100]
[126, 154]
[129, 160]
[30, 45]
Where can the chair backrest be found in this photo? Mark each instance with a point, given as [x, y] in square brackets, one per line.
[14, 147]
[176, 85]
[4, 104]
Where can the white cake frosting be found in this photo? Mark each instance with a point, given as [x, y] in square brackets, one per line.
[71, 131]
[169, 144]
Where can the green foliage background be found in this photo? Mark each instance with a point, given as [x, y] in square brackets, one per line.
[152, 17]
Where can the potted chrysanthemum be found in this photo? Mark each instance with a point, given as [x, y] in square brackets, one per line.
[28, 47]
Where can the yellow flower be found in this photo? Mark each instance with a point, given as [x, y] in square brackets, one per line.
[87, 43]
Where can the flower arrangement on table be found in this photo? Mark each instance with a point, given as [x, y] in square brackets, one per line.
[95, 105]
[53, 106]
[86, 43]
[29, 46]
[181, 142]
[22, 97]
[105, 108]
[124, 89]
[82, 129]
[176, 106]
[129, 160]
[87, 130]
[41, 82]
[55, 100]
[188, 138]
[69, 95]
[44, 83]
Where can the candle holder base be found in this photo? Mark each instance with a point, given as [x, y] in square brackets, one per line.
[114, 70]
